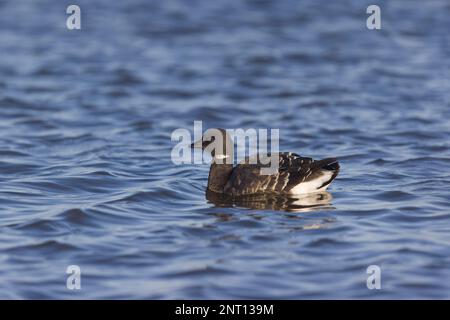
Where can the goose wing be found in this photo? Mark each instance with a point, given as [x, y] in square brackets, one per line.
[293, 169]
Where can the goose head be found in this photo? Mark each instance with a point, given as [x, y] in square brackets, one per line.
[218, 143]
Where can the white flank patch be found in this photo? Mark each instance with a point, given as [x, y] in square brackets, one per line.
[312, 186]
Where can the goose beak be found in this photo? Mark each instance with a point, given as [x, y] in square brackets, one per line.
[200, 144]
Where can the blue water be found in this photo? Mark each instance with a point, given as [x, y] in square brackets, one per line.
[86, 176]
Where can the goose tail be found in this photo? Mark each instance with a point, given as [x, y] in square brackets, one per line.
[329, 166]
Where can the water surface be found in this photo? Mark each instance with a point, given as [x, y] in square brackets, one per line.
[86, 176]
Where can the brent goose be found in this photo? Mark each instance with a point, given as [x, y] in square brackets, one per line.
[296, 174]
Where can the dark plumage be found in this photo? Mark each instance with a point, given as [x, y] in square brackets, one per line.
[296, 174]
[273, 201]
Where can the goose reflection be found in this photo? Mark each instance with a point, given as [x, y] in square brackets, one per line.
[289, 203]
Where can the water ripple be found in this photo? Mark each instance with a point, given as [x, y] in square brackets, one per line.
[86, 176]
